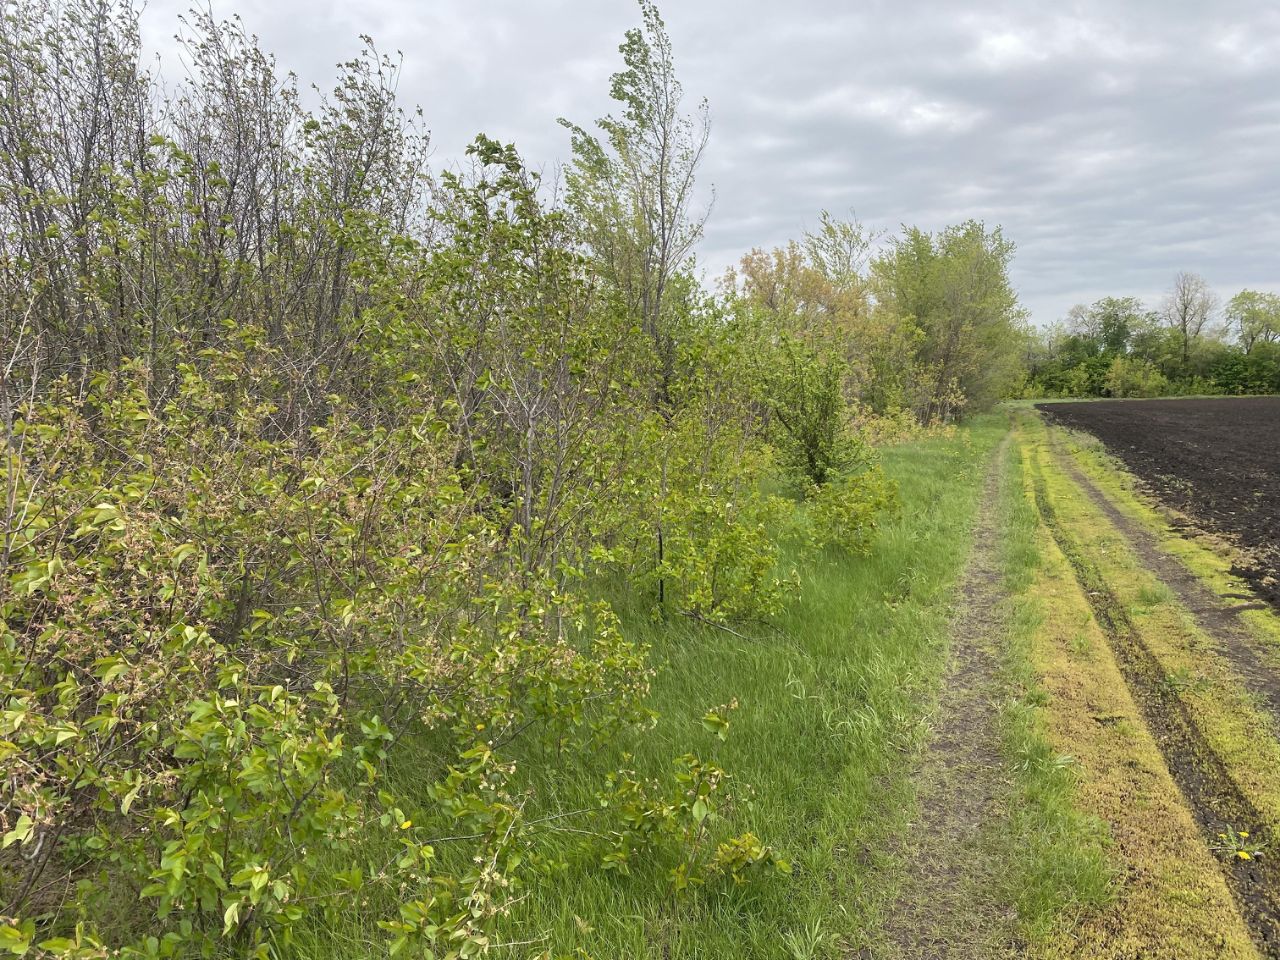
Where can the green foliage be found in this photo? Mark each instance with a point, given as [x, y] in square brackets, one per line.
[316, 471]
[681, 819]
[955, 287]
[1255, 317]
[848, 512]
[1119, 348]
[804, 394]
[1134, 377]
[1257, 371]
[215, 642]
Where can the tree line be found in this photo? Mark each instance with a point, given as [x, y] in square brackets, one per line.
[326, 474]
[1190, 344]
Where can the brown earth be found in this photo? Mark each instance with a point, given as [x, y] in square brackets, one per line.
[945, 909]
[1215, 460]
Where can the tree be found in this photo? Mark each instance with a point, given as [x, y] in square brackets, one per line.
[1114, 320]
[1254, 317]
[1188, 309]
[633, 189]
[840, 250]
[955, 287]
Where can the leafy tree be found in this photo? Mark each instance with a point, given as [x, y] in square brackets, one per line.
[633, 186]
[1112, 322]
[1255, 318]
[804, 396]
[955, 287]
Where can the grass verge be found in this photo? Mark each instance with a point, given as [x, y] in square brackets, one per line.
[1057, 854]
[1220, 707]
[1167, 897]
[833, 700]
[832, 704]
[1207, 556]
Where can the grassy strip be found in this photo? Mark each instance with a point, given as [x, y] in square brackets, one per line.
[1207, 556]
[1057, 854]
[1168, 899]
[1237, 732]
[831, 705]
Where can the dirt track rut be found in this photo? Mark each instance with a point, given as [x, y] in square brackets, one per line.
[944, 909]
[1216, 617]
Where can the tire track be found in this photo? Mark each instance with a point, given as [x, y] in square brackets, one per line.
[1215, 618]
[1213, 797]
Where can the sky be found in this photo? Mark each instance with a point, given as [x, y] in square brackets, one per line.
[1116, 143]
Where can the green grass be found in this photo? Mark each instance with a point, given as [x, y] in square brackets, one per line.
[832, 703]
[831, 706]
[1057, 855]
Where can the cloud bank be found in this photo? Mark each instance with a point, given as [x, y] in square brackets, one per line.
[1116, 143]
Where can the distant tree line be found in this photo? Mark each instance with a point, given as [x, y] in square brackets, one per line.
[1189, 344]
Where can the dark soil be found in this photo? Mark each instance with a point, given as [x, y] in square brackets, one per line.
[1215, 460]
[1218, 618]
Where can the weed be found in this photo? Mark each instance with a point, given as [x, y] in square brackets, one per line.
[1235, 844]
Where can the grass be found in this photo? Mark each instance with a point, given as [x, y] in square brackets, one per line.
[1058, 859]
[832, 704]
[1223, 710]
[1208, 557]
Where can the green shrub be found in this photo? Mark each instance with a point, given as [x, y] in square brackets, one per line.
[847, 512]
[1134, 377]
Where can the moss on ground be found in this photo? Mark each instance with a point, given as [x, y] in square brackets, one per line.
[1226, 714]
[1208, 556]
[1169, 897]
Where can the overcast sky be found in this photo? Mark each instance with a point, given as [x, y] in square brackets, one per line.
[1116, 142]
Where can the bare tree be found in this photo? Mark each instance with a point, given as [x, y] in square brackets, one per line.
[1188, 309]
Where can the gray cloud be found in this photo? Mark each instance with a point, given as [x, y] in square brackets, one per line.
[1117, 143]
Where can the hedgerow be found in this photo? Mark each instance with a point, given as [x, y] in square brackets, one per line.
[314, 466]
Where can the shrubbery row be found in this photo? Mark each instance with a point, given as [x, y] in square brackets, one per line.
[317, 465]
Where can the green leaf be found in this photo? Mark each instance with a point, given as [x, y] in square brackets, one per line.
[15, 938]
[20, 832]
[700, 810]
[231, 917]
[129, 797]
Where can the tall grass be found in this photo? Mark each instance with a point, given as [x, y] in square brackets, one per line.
[832, 699]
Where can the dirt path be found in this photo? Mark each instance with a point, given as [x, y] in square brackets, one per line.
[944, 909]
[1214, 616]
